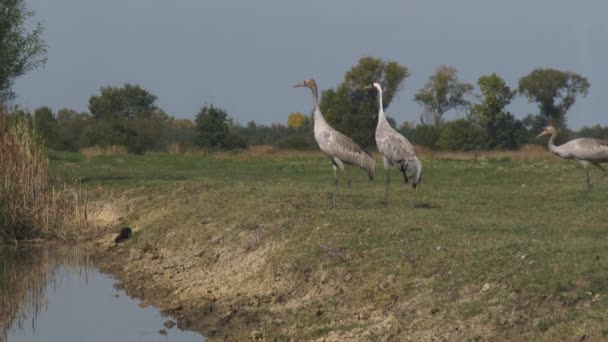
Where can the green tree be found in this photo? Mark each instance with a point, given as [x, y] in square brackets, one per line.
[554, 91]
[212, 125]
[71, 126]
[442, 93]
[20, 50]
[106, 133]
[353, 110]
[122, 103]
[126, 116]
[149, 130]
[46, 125]
[461, 135]
[596, 131]
[501, 128]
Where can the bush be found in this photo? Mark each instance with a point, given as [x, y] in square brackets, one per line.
[298, 142]
[234, 141]
[426, 135]
[461, 135]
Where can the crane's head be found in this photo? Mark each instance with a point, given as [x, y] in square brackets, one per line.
[309, 83]
[549, 130]
[374, 85]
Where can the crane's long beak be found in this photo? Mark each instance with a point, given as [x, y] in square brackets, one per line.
[299, 85]
[541, 134]
[369, 86]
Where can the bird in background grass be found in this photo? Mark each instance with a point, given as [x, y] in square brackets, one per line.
[396, 150]
[124, 235]
[585, 150]
[337, 146]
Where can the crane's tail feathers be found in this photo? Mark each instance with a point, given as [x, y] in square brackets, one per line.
[368, 164]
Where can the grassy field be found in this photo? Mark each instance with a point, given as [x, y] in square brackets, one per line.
[495, 248]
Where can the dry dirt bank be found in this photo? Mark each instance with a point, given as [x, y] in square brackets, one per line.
[215, 277]
[227, 262]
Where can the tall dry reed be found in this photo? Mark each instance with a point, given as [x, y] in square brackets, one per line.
[30, 204]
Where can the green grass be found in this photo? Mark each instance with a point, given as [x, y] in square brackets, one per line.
[527, 229]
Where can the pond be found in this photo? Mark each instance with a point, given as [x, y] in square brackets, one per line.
[58, 295]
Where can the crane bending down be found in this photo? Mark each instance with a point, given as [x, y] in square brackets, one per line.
[337, 146]
[395, 149]
[585, 150]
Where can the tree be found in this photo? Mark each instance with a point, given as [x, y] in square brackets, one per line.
[353, 110]
[442, 93]
[596, 131]
[122, 103]
[149, 128]
[20, 50]
[71, 127]
[297, 120]
[212, 125]
[179, 131]
[46, 125]
[461, 135]
[555, 92]
[126, 116]
[501, 128]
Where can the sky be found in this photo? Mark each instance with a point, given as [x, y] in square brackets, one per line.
[244, 56]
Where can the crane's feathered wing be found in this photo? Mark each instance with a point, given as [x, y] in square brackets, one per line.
[338, 145]
[393, 145]
[593, 150]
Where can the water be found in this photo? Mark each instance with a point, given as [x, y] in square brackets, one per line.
[58, 295]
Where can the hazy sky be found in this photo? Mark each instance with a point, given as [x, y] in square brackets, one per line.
[245, 55]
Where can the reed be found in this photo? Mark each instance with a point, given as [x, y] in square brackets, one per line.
[32, 204]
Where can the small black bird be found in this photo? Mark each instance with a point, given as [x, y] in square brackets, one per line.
[124, 234]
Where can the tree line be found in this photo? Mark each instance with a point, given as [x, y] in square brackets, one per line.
[129, 116]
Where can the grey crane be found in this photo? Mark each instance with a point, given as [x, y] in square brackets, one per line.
[337, 146]
[396, 149]
[585, 150]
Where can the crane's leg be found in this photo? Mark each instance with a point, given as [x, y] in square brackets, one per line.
[349, 181]
[410, 199]
[333, 205]
[586, 166]
[387, 167]
[350, 189]
[338, 165]
[413, 198]
[388, 182]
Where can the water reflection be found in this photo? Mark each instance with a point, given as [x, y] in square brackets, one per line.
[50, 294]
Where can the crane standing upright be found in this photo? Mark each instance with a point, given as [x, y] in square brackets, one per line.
[585, 150]
[337, 146]
[395, 149]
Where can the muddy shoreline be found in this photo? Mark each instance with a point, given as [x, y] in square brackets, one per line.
[216, 274]
[285, 271]
[216, 318]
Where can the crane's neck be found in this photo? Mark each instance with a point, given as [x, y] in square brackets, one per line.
[315, 97]
[552, 147]
[319, 120]
[381, 116]
[380, 101]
